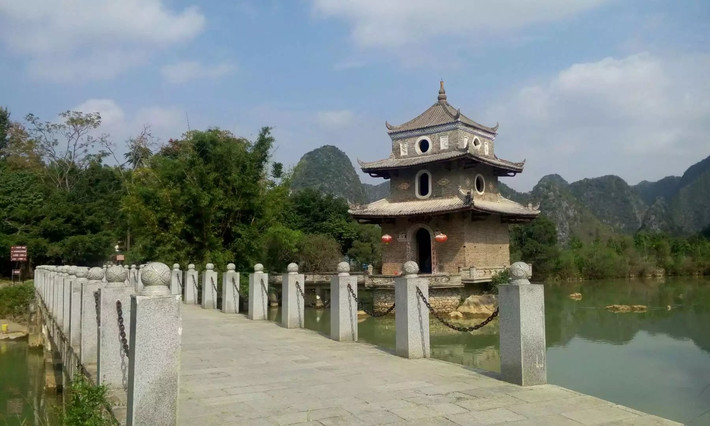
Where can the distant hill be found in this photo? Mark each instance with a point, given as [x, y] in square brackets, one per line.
[585, 209]
[376, 192]
[329, 170]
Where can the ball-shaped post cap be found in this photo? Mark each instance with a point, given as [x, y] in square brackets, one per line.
[133, 266]
[292, 268]
[176, 266]
[343, 269]
[116, 274]
[95, 274]
[191, 266]
[82, 271]
[72, 270]
[209, 266]
[520, 273]
[258, 267]
[411, 268]
[231, 267]
[156, 279]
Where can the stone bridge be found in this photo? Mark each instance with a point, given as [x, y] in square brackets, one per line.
[167, 360]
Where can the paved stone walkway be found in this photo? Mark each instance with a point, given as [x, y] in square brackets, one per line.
[237, 371]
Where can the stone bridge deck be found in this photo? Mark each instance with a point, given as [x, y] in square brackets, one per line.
[237, 371]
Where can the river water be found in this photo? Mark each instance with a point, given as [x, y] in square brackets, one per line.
[657, 361]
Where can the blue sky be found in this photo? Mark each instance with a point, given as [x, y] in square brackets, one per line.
[581, 88]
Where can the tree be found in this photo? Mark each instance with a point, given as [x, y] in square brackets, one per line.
[202, 199]
[66, 146]
[4, 128]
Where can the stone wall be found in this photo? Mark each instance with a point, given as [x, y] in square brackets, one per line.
[443, 300]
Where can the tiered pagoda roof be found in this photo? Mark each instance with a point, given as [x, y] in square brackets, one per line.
[380, 168]
[442, 117]
[461, 203]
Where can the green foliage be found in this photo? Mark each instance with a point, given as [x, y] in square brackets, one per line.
[204, 199]
[536, 243]
[87, 404]
[4, 128]
[319, 253]
[15, 300]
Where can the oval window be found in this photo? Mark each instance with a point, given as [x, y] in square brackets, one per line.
[423, 184]
[480, 184]
[423, 145]
[476, 142]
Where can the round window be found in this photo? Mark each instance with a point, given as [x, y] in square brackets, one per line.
[423, 145]
[480, 184]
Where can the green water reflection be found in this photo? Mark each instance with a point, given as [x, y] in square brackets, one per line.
[657, 362]
[22, 397]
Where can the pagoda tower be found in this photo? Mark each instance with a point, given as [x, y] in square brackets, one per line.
[444, 209]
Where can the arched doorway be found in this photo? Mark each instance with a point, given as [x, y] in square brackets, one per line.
[423, 238]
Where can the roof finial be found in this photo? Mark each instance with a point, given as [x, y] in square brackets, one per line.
[442, 92]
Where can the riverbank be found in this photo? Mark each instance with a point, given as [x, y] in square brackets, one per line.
[15, 300]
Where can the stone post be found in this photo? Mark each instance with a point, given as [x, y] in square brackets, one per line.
[66, 315]
[154, 370]
[293, 288]
[112, 362]
[343, 306]
[139, 283]
[522, 329]
[59, 293]
[175, 280]
[209, 287]
[75, 316]
[105, 268]
[133, 276]
[230, 290]
[258, 293]
[190, 285]
[90, 316]
[411, 314]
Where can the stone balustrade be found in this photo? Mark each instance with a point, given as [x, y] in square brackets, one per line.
[126, 335]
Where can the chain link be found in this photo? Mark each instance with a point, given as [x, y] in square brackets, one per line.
[370, 313]
[312, 304]
[236, 287]
[179, 281]
[214, 286]
[122, 328]
[451, 325]
[98, 308]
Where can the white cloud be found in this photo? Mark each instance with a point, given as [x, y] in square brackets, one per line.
[396, 23]
[639, 117]
[88, 39]
[335, 119]
[185, 71]
[111, 114]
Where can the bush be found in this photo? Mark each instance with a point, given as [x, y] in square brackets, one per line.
[87, 404]
[15, 299]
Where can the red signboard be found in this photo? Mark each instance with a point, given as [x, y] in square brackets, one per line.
[18, 253]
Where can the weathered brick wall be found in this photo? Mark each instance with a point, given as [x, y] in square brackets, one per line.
[482, 243]
[443, 300]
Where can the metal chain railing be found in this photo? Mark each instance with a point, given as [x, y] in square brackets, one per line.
[98, 308]
[370, 313]
[214, 286]
[122, 329]
[266, 297]
[195, 289]
[452, 325]
[179, 281]
[236, 287]
[310, 304]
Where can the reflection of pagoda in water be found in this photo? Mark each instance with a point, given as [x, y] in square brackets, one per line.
[443, 175]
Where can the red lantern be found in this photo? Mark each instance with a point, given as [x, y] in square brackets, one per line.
[441, 238]
[387, 238]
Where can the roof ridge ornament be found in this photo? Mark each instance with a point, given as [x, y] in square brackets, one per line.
[442, 92]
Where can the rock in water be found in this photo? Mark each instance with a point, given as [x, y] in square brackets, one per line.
[576, 296]
[478, 305]
[455, 315]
